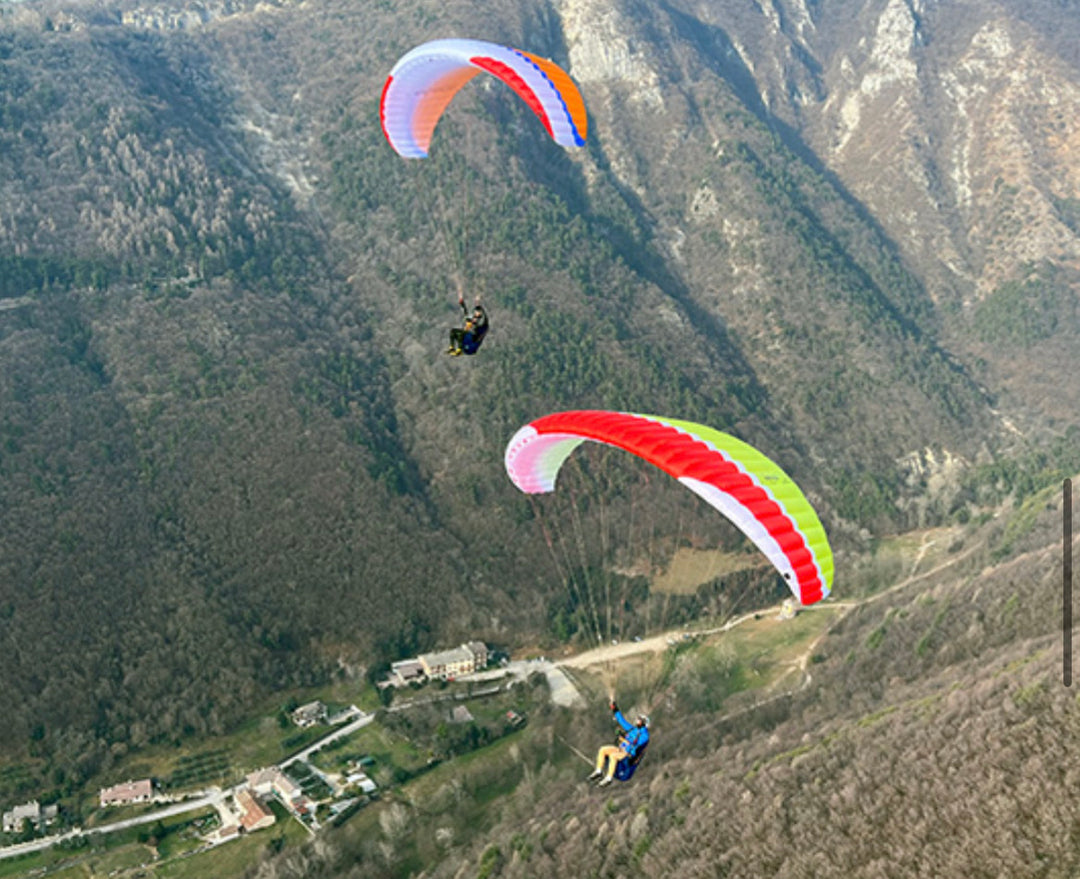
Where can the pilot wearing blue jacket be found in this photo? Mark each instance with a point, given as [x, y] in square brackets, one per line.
[620, 760]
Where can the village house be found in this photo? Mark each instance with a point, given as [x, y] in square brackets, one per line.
[361, 780]
[479, 652]
[449, 664]
[129, 792]
[262, 780]
[288, 790]
[442, 665]
[32, 812]
[273, 781]
[310, 714]
[253, 815]
[406, 671]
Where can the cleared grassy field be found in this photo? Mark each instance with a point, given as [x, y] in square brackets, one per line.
[771, 648]
[393, 754]
[904, 555]
[760, 654]
[691, 568]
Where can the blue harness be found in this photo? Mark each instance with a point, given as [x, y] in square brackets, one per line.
[625, 768]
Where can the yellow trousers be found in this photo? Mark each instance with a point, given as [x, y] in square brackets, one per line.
[609, 752]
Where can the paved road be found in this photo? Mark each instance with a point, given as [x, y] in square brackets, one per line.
[361, 721]
[206, 799]
[211, 797]
[563, 691]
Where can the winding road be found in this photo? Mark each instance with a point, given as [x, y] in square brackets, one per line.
[563, 692]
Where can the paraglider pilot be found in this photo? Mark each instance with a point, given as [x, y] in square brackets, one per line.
[622, 759]
[467, 338]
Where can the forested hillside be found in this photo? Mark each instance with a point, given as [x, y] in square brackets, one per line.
[931, 735]
[233, 456]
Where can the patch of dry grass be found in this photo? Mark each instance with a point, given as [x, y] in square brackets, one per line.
[690, 568]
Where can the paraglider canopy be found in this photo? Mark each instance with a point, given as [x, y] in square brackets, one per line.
[730, 475]
[424, 81]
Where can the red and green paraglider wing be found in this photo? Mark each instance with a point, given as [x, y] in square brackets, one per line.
[733, 477]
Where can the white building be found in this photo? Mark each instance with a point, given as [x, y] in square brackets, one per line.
[361, 780]
[273, 781]
[262, 780]
[31, 812]
[129, 792]
[447, 664]
[310, 714]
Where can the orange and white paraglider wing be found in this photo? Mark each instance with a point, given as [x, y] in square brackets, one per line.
[425, 80]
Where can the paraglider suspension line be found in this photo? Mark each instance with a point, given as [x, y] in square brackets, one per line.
[575, 750]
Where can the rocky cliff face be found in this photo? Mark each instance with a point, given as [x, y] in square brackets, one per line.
[68, 17]
[953, 125]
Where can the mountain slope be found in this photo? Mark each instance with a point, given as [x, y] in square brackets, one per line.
[931, 734]
[232, 453]
[950, 123]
